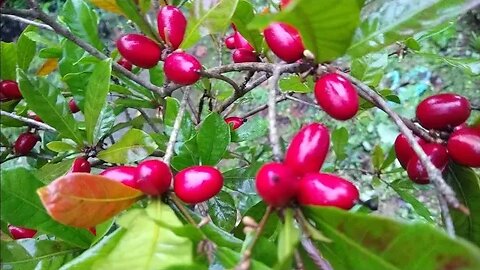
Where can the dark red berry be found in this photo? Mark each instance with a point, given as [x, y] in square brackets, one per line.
[153, 177]
[25, 143]
[171, 25]
[9, 90]
[337, 96]
[81, 164]
[308, 149]
[443, 111]
[182, 68]
[244, 56]
[464, 147]
[404, 151]
[123, 174]
[125, 63]
[276, 184]
[139, 50]
[235, 121]
[323, 189]
[241, 42]
[20, 232]
[93, 230]
[197, 184]
[284, 41]
[437, 155]
[73, 106]
[230, 42]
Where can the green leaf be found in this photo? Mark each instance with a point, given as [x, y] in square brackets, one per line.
[21, 206]
[172, 107]
[370, 68]
[48, 103]
[339, 142]
[377, 157]
[140, 243]
[82, 21]
[254, 128]
[61, 146]
[207, 19]
[95, 98]
[8, 61]
[288, 238]
[229, 259]
[131, 11]
[221, 209]
[392, 21]
[105, 123]
[213, 139]
[243, 15]
[326, 27]
[466, 184]
[295, 84]
[391, 156]
[365, 242]
[417, 206]
[156, 75]
[135, 145]
[52, 171]
[36, 254]
[26, 49]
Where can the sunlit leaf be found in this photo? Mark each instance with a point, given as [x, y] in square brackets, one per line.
[48, 67]
[26, 48]
[82, 21]
[135, 145]
[8, 60]
[108, 5]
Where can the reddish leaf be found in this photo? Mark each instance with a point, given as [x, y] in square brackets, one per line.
[85, 200]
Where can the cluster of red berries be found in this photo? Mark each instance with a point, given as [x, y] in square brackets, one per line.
[243, 51]
[446, 113]
[179, 67]
[298, 177]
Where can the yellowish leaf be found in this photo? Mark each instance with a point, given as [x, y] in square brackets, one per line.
[48, 66]
[108, 5]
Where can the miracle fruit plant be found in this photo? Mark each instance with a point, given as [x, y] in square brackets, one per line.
[107, 194]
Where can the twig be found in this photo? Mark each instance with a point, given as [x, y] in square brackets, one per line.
[290, 97]
[447, 218]
[193, 111]
[272, 116]
[475, 107]
[223, 78]
[27, 21]
[298, 261]
[433, 172]
[181, 207]
[28, 121]
[261, 108]
[149, 121]
[176, 127]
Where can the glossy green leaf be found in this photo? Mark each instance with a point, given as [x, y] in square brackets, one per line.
[21, 206]
[370, 68]
[131, 11]
[466, 184]
[221, 209]
[135, 145]
[361, 241]
[95, 98]
[82, 21]
[36, 254]
[417, 206]
[391, 21]
[377, 157]
[172, 107]
[243, 15]
[8, 61]
[48, 103]
[156, 75]
[254, 128]
[213, 139]
[288, 238]
[294, 83]
[391, 156]
[339, 142]
[26, 49]
[187, 155]
[51, 171]
[61, 146]
[229, 259]
[326, 27]
[105, 122]
[208, 18]
[140, 243]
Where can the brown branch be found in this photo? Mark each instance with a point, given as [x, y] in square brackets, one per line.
[290, 97]
[27, 21]
[148, 120]
[223, 78]
[28, 121]
[261, 108]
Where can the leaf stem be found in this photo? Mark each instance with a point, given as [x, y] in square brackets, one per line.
[181, 207]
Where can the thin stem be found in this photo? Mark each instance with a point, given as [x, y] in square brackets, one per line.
[303, 102]
[261, 108]
[194, 113]
[223, 78]
[272, 116]
[28, 121]
[27, 21]
[176, 127]
[447, 218]
[149, 121]
[181, 207]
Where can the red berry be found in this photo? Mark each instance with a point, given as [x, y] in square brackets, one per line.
[9, 90]
[81, 164]
[182, 68]
[197, 184]
[323, 189]
[171, 25]
[244, 56]
[73, 106]
[337, 96]
[437, 155]
[461, 126]
[443, 111]
[25, 143]
[235, 121]
[37, 118]
[464, 147]
[241, 42]
[139, 50]
[93, 230]
[123, 174]
[404, 151]
[125, 63]
[230, 42]
[308, 149]
[284, 4]
[153, 177]
[276, 184]
[20, 232]
[285, 41]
